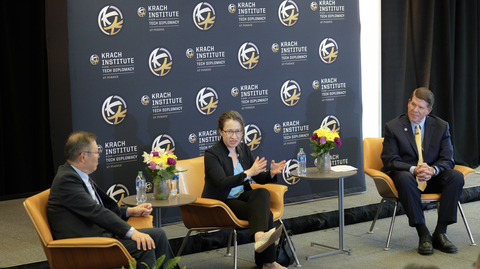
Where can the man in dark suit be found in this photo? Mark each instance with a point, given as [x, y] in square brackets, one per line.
[429, 170]
[77, 207]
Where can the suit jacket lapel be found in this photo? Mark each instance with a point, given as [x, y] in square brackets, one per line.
[407, 127]
[427, 137]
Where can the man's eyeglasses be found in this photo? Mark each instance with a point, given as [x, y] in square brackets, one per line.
[100, 150]
[236, 132]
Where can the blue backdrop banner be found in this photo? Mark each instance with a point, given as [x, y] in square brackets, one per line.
[159, 73]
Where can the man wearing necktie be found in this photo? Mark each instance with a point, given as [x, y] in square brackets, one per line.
[77, 207]
[418, 156]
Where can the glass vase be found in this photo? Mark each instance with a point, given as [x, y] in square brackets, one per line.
[161, 189]
[323, 162]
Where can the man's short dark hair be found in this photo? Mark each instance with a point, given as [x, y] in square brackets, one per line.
[78, 142]
[424, 94]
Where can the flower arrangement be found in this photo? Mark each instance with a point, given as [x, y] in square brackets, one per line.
[324, 140]
[161, 164]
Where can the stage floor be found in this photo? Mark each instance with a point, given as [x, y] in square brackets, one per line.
[21, 246]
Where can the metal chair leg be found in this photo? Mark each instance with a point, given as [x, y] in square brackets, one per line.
[391, 226]
[466, 224]
[235, 249]
[183, 243]
[229, 242]
[290, 245]
[376, 216]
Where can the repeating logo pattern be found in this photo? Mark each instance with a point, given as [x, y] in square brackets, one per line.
[94, 59]
[290, 165]
[204, 16]
[110, 20]
[234, 91]
[288, 13]
[114, 110]
[165, 142]
[154, 113]
[232, 8]
[145, 100]
[141, 12]
[189, 53]
[248, 55]
[331, 122]
[328, 50]
[192, 138]
[253, 136]
[207, 100]
[160, 62]
[275, 47]
[117, 192]
[290, 93]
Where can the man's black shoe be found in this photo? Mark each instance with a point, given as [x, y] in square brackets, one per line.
[442, 243]
[425, 245]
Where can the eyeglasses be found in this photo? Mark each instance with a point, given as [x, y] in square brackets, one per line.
[100, 150]
[236, 132]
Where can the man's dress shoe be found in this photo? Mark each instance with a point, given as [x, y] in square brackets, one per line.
[425, 245]
[442, 243]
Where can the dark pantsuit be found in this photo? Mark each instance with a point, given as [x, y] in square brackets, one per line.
[449, 183]
[150, 256]
[254, 206]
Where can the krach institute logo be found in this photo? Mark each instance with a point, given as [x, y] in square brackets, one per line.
[204, 16]
[160, 62]
[165, 142]
[290, 93]
[117, 192]
[232, 8]
[253, 136]
[114, 110]
[248, 55]
[328, 50]
[290, 166]
[192, 138]
[141, 12]
[288, 13]
[110, 20]
[331, 123]
[207, 101]
[94, 59]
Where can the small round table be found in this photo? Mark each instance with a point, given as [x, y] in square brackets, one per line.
[182, 199]
[314, 174]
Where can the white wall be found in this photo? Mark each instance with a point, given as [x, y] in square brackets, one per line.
[371, 66]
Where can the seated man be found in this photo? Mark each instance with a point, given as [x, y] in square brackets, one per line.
[78, 208]
[428, 170]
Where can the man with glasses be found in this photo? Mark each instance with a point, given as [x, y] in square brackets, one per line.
[77, 207]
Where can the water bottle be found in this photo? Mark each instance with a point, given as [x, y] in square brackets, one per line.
[141, 185]
[302, 163]
[174, 188]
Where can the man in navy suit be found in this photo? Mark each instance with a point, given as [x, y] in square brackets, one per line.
[77, 207]
[401, 162]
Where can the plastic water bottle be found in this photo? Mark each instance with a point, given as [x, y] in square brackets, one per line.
[174, 188]
[302, 163]
[141, 185]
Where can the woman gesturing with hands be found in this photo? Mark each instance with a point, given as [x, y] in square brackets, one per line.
[229, 169]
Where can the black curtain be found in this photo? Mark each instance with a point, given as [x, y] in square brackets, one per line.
[35, 113]
[434, 44]
[25, 148]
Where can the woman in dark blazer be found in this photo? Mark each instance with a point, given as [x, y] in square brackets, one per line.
[229, 169]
